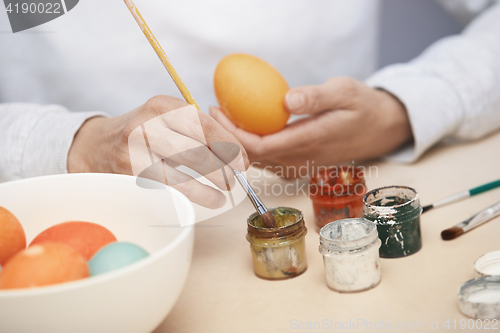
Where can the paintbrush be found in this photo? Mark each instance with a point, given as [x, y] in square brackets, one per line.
[462, 195]
[267, 218]
[472, 222]
[161, 54]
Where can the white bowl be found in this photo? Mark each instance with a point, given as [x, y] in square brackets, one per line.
[135, 298]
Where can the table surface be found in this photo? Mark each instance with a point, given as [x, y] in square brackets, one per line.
[222, 294]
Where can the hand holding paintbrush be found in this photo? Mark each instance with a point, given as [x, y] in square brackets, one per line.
[267, 218]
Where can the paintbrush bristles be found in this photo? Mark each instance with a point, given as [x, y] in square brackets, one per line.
[451, 233]
[427, 208]
[268, 220]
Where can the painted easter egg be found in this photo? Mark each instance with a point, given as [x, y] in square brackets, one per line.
[250, 92]
[85, 237]
[42, 265]
[114, 256]
[12, 236]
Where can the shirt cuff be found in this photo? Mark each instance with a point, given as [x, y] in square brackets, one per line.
[434, 109]
[48, 143]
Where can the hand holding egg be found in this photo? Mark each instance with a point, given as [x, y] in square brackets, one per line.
[345, 120]
[177, 134]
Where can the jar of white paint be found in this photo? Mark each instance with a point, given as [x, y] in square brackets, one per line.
[350, 249]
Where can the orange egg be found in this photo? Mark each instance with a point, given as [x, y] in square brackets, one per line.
[12, 237]
[250, 92]
[85, 237]
[42, 265]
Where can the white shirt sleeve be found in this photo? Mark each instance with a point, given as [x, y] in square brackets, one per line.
[465, 11]
[35, 139]
[452, 90]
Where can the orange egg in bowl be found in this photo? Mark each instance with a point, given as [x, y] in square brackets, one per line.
[43, 265]
[12, 236]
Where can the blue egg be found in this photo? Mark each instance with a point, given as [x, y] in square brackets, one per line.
[114, 256]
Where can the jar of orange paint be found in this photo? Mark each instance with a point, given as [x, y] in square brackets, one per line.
[337, 193]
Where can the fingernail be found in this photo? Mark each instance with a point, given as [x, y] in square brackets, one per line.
[295, 100]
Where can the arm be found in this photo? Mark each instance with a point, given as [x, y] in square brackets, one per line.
[35, 139]
[150, 141]
[452, 90]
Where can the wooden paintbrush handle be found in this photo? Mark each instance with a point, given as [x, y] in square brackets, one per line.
[161, 54]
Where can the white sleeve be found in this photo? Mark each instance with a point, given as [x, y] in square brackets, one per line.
[465, 10]
[35, 139]
[452, 90]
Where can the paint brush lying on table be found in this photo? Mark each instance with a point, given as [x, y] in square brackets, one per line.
[483, 216]
[464, 194]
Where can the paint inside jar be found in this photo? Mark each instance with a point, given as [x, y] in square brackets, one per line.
[396, 212]
[337, 193]
[278, 253]
[350, 250]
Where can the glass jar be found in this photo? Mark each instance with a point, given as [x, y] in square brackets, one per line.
[337, 193]
[396, 212]
[350, 250]
[278, 253]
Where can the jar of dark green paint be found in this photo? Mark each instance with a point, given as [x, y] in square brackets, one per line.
[396, 212]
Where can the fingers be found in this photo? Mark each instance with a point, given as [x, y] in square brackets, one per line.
[182, 133]
[192, 123]
[178, 149]
[224, 144]
[246, 138]
[336, 93]
[196, 192]
[300, 138]
[297, 135]
[252, 142]
[185, 121]
[146, 164]
[162, 104]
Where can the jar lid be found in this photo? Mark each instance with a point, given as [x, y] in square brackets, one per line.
[488, 264]
[348, 234]
[388, 204]
[480, 298]
[289, 221]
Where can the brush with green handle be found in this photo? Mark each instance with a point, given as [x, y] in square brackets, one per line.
[464, 194]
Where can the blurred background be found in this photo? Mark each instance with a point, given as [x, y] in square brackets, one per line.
[408, 26]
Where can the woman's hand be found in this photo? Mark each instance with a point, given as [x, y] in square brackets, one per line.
[154, 139]
[347, 120]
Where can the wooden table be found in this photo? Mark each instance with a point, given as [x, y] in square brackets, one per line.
[223, 295]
